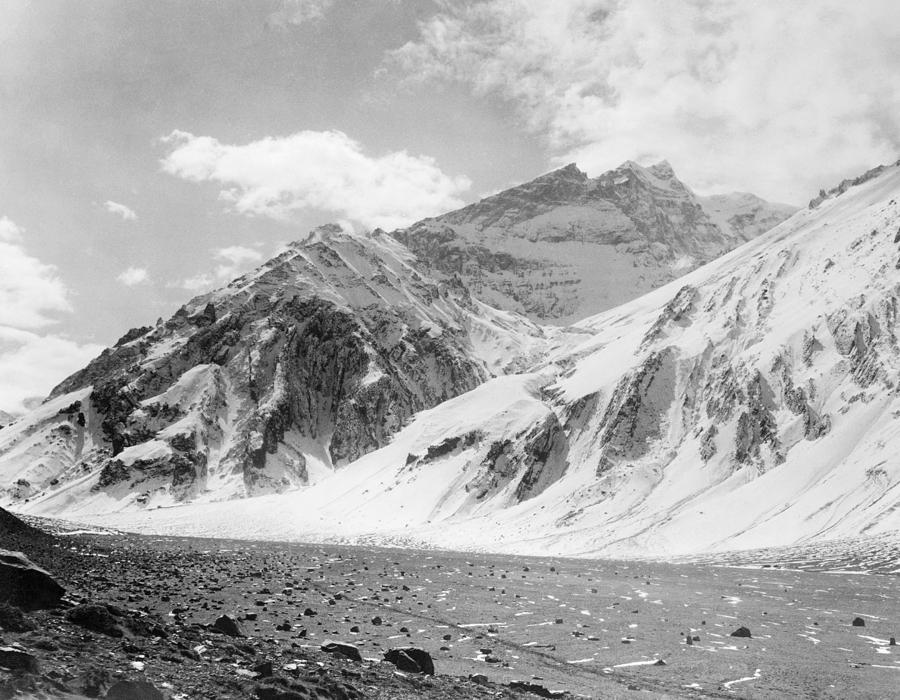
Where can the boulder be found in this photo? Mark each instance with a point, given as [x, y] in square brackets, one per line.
[16, 659]
[411, 660]
[134, 690]
[26, 585]
[858, 622]
[348, 651]
[96, 618]
[228, 626]
[536, 689]
[741, 632]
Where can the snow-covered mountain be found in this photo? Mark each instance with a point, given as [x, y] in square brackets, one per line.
[754, 402]
[565, 246]
[268, 384]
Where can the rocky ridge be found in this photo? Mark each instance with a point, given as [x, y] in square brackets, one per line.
[268, 384]
[566, 246]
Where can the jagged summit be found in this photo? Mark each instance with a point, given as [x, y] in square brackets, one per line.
[565, 246]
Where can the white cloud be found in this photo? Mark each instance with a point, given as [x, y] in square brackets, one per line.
[31, 295]
[297, 12]
[318, 170]
[133, 276]
[127, 213]
[777, 97]
[232, 262]
[30, 291]
[31, 364]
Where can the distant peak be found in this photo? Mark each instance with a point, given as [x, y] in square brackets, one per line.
[662, 169]
[569, 172]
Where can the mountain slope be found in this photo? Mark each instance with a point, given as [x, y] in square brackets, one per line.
[265, 385]
[566, 246]
[752, 403]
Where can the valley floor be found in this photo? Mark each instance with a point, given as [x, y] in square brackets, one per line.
[600, 629]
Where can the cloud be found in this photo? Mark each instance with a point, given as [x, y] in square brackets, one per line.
[30, 291]
[776, 97]
[233, 261]
[316, 170]
[127, 213]
[31, 297]
[31, 364]
[133, 276]
[298, 12]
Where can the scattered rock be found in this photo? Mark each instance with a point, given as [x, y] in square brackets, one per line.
[228, 626]
[26, 585]
[411, 659]
[741, 632]
[342, 649]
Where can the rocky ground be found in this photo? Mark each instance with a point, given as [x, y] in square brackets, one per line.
[144, 610]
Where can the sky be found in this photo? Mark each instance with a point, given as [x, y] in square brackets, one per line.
[150, 151]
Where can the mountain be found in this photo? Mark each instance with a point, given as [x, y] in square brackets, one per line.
[565, 246]
[751, 403]
[268, 384]
[744, 215]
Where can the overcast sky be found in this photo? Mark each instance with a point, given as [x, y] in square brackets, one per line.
[152, 150]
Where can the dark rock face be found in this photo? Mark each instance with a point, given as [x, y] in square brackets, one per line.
[310, 356]
[26, 585]
[411, 660]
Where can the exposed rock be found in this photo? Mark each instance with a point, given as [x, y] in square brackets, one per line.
[26, 585]
[741, 632]
[228, 626]
[17, 660]
[134, 690]
[342, 649]
[536, 689]
[95, 617]
[411, 659]
[858, 622]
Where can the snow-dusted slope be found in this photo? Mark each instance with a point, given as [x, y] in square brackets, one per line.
[565, 246]
[743, 214]
[268, 384]
[752, 403]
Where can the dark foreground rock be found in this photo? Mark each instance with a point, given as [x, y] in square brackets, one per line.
[348, 651]
[411, 660]
[134, 690]
[26, 585]
[17, 660]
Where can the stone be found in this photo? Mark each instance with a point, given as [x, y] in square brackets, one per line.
[348, 651]
[411, 659]
[858, 622]
[95, 617]
[535, 689]
[228, 626]
[134, 690]
[17, 660]
[26, 585]
[741, 632]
